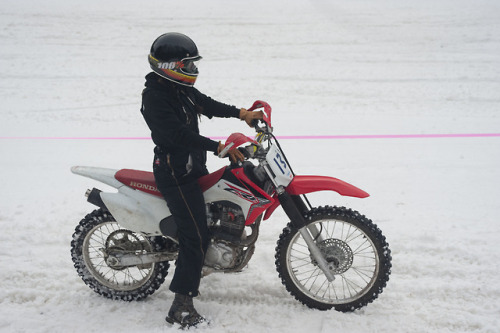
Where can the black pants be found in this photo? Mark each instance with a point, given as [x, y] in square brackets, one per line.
[187, 205]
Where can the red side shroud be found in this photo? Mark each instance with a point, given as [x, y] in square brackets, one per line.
[209, 180]
[257, 208]
[308, 184]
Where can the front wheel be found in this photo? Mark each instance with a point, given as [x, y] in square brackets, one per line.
[99, 235]
[354, 248]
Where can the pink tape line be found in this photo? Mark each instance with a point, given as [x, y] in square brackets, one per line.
[388, 136]
[282, 137]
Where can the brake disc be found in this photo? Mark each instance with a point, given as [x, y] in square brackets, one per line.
[336, 252]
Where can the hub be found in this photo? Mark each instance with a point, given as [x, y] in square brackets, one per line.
[337, 253]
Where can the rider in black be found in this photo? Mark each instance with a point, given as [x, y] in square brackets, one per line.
[171, 107]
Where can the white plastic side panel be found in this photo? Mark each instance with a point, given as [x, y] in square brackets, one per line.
[278, 165]
[136, 210]
[225, 190]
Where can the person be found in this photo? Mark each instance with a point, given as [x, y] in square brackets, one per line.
[171, 107]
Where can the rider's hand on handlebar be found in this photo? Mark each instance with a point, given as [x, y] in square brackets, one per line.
[249, 116]
[234, 154]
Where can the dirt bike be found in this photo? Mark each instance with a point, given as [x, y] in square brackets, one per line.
[327, 257]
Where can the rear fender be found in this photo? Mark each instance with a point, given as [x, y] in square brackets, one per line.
[103, 175]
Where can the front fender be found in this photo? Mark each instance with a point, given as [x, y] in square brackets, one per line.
[307, 184]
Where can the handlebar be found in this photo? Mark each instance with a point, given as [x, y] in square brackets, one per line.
[263, 131]
[264, 128]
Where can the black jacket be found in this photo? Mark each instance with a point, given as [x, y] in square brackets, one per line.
[171, 112]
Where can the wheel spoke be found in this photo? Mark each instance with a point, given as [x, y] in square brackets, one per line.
[362, 247]
[364, 276]
[355, 235]
[308, 263]
[312, 270]
[301, 252]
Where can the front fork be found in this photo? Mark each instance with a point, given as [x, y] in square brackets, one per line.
[294, 207]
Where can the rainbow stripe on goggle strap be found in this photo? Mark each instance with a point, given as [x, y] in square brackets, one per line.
[179, 76]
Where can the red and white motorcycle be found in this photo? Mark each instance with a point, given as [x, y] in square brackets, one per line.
[326, 256]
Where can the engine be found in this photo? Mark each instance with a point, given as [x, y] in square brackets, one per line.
[221, 256]
[227, 221]
[227, 225]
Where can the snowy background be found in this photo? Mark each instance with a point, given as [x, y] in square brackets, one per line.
[76, 69]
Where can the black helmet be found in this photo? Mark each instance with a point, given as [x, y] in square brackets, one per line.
[173, 56]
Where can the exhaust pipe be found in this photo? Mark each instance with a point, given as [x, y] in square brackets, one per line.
[94, 197]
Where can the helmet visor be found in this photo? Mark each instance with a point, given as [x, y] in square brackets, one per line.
[190, 65]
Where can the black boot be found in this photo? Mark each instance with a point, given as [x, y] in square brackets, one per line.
[183, 312]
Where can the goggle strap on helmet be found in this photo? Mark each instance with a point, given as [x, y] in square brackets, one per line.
[174, 70]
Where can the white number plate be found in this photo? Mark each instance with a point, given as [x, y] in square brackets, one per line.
[278, 165]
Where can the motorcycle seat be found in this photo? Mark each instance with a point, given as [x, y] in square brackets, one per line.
[145, 181]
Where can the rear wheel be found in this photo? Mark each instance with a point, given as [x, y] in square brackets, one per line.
[96, 237]
[354, 248]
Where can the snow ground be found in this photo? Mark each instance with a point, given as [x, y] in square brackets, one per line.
[75, 69]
